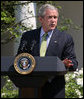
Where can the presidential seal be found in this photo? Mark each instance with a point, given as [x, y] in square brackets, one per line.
[24, 63]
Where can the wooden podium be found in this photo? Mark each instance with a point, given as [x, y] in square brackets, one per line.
[30, 84]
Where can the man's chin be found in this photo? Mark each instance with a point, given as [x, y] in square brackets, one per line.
[52, 28]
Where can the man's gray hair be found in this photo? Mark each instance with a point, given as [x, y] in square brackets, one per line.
[42, 9]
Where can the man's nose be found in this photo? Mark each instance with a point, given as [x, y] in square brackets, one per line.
[53, 19]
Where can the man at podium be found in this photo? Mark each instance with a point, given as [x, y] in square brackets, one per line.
[54, 43]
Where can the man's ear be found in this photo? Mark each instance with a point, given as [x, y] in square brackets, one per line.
[40, 19]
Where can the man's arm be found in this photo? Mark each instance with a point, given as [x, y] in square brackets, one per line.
[69, 55]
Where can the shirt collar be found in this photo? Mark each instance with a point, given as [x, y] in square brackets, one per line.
[42, 32]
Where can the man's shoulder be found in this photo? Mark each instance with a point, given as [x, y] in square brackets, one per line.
[62, 33]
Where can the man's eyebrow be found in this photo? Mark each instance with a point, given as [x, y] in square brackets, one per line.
[53, 16]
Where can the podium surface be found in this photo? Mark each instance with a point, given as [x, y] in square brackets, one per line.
[44, 65]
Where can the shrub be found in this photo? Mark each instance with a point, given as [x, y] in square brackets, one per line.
[9, 90]
[74, 84]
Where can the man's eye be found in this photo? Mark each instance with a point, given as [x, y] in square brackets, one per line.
[55, 17]
[52, 17]
[49, 17]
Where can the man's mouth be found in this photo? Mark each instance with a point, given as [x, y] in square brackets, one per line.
[52, 25]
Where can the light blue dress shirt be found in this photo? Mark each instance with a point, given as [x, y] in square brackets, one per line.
[48, 37]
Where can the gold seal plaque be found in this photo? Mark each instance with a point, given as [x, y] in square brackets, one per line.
[24, 63]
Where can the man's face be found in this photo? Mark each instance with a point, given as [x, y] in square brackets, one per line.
[49, 21]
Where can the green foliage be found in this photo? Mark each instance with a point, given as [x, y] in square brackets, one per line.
[7, 14]
[10, 29]
[8, 90]
[74, 84]
[67, 24]
[7, 21]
